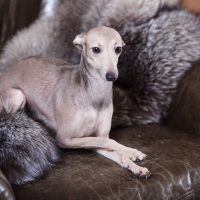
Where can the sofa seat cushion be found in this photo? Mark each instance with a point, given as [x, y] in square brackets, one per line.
[173, 159]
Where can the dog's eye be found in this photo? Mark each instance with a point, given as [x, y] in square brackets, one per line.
[96, 50]
[118, 50]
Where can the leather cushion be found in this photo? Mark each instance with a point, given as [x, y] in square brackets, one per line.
[173, 159]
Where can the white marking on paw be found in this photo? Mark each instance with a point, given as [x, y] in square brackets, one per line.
[134, 154]
[126, 162]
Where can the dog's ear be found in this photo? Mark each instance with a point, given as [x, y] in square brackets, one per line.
[123, 43]
[79, 41]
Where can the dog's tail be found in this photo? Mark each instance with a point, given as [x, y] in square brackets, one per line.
[26, 148]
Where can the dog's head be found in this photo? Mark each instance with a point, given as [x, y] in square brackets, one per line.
[101, 47]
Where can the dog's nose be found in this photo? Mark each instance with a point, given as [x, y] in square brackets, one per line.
[111, 77]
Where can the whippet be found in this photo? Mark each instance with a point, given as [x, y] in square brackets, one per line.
[76, 101]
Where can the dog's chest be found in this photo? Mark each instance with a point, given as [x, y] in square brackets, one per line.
[91, 122]
[87, 122]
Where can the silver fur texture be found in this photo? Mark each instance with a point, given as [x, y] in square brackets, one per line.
[27, 150]
[162, 40]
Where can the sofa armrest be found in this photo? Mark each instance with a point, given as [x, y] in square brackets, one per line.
[184, 113]
[6, 192]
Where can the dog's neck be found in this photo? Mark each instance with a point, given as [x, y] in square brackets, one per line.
[98, 89]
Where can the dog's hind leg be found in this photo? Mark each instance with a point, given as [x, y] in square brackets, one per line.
[12, 100]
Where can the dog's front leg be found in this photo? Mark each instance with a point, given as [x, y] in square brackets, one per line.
[89, 143]
[109, 148]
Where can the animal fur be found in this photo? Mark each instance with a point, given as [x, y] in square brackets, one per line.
[162, 40]
[26, 148]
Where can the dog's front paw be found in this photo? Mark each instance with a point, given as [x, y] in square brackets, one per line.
[127, 162]
[134, 154]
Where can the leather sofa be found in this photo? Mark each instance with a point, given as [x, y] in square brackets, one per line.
[173, 147]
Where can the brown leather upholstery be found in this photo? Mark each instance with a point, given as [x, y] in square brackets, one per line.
[185, 110]
[6, 192]
[173, 156]
[15, 15]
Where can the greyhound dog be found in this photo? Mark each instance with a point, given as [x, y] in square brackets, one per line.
[76, 101]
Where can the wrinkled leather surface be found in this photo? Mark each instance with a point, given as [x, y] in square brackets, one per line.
[173, 159]
[6, 192]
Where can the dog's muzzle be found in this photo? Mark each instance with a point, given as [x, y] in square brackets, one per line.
[111, 77]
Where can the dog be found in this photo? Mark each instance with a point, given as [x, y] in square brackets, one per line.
[162, 40]
[76, 101]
